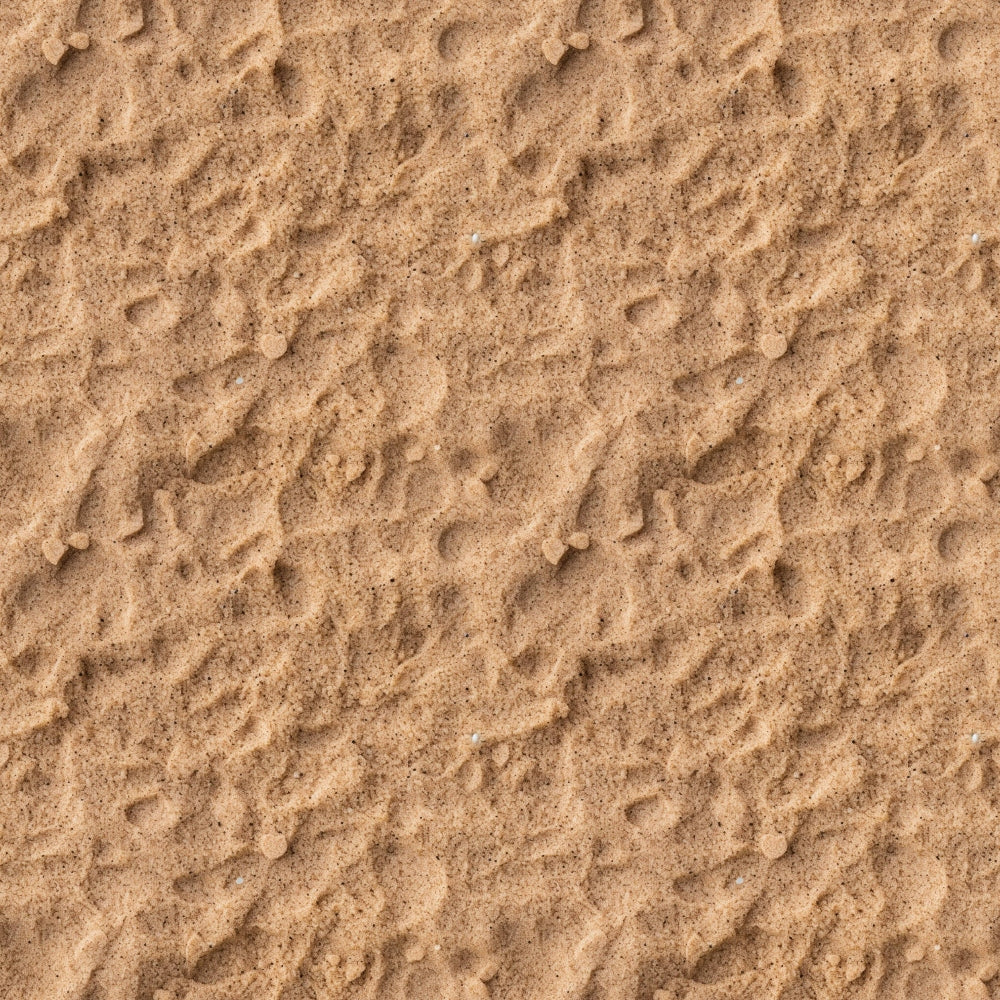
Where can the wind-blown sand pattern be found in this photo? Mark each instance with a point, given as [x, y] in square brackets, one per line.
[499, 500]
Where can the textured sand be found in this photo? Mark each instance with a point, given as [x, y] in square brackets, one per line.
[499, 500]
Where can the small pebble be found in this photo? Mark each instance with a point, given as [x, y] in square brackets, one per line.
[579, 540]
[975, 238]
[79, 540]
[239, 381]
[773, 346]
[579, 40]
[273, 846]
[739, 881]
[476, 738]
[476, 239]
[739, 380]
[53, 550]
[553, 550]
[975, 737]
[239, 881]
[553, 50]
[773, 846]
[273, 345]
[79, 40]
[53, 50]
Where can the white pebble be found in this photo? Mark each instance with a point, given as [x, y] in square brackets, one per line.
[739, 381]
[239, 881]
[476, 737]
[975, 737]
[975, 237]
[239, 381]
[476, 239]
[739, 881]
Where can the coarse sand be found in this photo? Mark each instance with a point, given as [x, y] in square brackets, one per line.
[499, 500]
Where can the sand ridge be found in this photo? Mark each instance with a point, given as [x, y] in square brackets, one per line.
[498, 500]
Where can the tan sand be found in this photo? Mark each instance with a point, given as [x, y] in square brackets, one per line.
[499, 500]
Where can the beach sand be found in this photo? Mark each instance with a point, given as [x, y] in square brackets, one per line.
[499, 500]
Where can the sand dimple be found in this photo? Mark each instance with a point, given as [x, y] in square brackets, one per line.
[273, 845]
[273, 346]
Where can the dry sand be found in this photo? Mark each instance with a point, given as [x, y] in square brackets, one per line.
[499, 500]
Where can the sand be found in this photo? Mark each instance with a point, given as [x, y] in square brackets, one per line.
[499, 500]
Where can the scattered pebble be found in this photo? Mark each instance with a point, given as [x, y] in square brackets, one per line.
[579, 40]
[553, 549]
[354, 968]
[553, 50]
[53, 50]
[487, 471]
[239, 381]
[415, 453]
[773, 845]
[476, 738]
[273, 846]
[273, 345]
[414, 953]
[976, 238]
[476, 239]
[79, 540]
[579, 540]
[739, 380]
[773, 346]
[975, 737]
[740, 880]
[53, 550]
[239, 881]
[79, 40]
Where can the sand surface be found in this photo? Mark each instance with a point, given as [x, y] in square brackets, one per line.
[499, 500]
